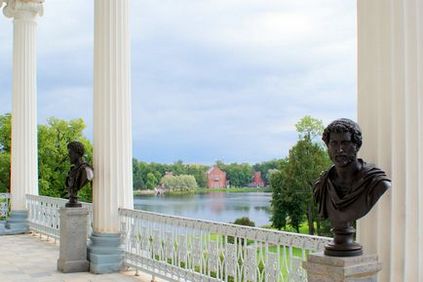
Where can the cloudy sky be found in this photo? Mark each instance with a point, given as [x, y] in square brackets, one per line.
[211, 79]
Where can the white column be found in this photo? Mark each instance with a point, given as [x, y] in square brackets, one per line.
[112, 187]
[24, 167]
[390, 112]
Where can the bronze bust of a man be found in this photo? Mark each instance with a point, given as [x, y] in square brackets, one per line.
[349, 189]
[79, 174]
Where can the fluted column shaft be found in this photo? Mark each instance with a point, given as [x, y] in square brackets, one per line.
[112, 187]
[24, 166]
[390, 112]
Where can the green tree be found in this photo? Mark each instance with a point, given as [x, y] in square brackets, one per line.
[5, 140]
[246, 221]
[53, 161]
[182, 183]
[309, 127]
[239, 175]
[278, 204]
[138, 182]
[293, 185]
[151, 181]
[199, 172]
[266, 168]
[4, 172]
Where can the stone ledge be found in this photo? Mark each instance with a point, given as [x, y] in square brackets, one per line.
[339, 269]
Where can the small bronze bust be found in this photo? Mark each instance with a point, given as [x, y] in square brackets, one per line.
[349, 189]
[79, 174]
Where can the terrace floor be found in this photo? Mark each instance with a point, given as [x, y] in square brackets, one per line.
[31, 258]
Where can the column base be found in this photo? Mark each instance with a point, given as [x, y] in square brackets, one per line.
[17, 223]
[105, 253]
[363, 268]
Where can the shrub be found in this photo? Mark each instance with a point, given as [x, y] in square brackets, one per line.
[181, 183]
[244, 221]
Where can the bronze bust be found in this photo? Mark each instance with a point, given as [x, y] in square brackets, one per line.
[79, 174]
[349, 189]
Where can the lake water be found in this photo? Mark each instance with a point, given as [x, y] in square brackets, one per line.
[216, 206]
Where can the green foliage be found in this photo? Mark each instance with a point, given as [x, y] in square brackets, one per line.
[180, 183]
[142, 169]
[266, 169]
[241, 221]
[239, 175]
[292, 199]
[4, 172]
[151, 181]
[138, 181]
[309, 127]
[244, 221]
[5, 140]
[5, 132]
[199, 172]
[53, 161]
[279, 205]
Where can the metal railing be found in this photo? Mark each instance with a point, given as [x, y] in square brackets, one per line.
[4, 205]
[44, 215]
[183, 249]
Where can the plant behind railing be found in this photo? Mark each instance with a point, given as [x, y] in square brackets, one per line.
[177, 248]
[4, 205]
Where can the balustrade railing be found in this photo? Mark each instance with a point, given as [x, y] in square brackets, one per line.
[4, 205]
[182, 249]
[44, 215]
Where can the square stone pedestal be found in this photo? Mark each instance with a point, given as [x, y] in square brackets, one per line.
[321, 268]
[73, 240]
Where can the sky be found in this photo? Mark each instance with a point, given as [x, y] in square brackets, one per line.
[211, 79]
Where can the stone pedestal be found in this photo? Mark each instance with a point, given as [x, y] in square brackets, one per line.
[321, 268]
[73, 240]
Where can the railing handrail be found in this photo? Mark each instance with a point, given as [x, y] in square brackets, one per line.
[32, 196]
[44, 214]
[248, 232]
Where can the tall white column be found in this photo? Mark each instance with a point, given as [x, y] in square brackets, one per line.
[24, 167]
[112, 186]
[390, 112]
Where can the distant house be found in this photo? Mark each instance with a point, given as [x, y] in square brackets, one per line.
[257, 180]
[216, 178]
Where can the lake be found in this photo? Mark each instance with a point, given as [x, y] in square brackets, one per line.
[215, 206]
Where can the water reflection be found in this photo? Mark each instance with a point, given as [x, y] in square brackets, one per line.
[217, 206]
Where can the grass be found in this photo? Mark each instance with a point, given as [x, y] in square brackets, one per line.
[284, 253]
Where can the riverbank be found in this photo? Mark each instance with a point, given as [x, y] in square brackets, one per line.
[206, 190]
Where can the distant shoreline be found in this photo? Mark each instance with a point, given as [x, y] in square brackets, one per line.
[206, 190]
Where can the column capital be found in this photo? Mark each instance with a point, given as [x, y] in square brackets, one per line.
[23, 9]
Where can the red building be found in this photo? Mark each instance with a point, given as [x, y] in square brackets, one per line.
[257, 180]
[216, 178]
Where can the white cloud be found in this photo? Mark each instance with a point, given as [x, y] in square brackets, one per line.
[212, 79]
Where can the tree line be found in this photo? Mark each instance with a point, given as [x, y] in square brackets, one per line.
[148, 175]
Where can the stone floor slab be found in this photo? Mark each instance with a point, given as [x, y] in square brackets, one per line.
[27, 258]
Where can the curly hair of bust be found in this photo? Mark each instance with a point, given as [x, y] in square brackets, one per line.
[77, 147]
[344, 125]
